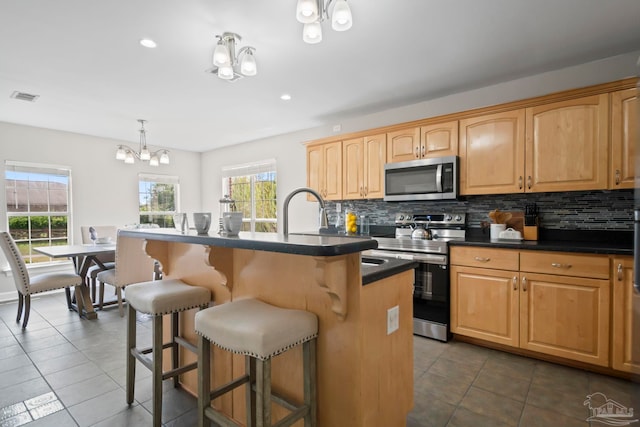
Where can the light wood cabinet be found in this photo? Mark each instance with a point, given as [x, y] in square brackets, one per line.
[492, 153]
[324, 170]
[509, 297]
[625, 348]
[363, 167]
[559, 146]
[567, 145]
[624, 134]
[565, 316]
[434, 140]
[403, 145]
[484, 294]
[439, 139]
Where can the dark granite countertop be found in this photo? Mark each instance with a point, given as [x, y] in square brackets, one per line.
[389, 267]
[622, 247]
[299, 244]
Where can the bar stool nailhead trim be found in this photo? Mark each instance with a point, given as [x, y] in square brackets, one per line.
[259, 331]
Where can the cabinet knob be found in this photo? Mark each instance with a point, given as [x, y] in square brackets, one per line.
[620, 273]
[482, 259]
[617, 176]
[529, 182]
[361, 192]
[524, 284]
[423, 151]
[515, 283]
[520, 182]
[417, 152]
[366, 191]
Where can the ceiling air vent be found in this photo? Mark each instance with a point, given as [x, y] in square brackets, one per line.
[23, 96]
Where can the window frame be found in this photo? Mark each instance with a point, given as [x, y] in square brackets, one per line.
[252, 170]
[49, 171]
[159, 179]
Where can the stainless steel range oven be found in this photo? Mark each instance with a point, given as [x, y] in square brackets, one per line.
[431, 295]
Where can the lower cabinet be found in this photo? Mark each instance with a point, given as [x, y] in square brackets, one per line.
[519, 304]
[626, 317]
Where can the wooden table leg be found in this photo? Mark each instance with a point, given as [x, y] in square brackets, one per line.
[84, 306]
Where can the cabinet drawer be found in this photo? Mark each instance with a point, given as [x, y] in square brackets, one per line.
[565, 264]
[501, 259]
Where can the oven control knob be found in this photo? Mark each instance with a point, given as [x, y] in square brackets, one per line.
[400, 217]
[448, 218]
[458, 218]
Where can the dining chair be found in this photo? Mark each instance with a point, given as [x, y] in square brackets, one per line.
[27, 285]
[108, 261]
[145, 270]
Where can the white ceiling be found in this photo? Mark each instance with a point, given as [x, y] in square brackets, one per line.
[83, 58]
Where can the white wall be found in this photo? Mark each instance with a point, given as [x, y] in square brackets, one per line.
[290, 153]
[104, 190]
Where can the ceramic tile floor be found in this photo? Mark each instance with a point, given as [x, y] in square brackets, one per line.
[63, 371]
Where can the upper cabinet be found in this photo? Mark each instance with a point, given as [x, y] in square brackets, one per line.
[624, 134]
[567, 145]
[560, 146]
[439, 140]
[363, 167]
[492, 153]
[324, 169]
[403, 145]
[435, 140]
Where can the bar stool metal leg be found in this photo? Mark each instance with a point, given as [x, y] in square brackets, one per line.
[309, 369]
[175, 354]
[204, 379]
[157, 371]
[131, 360]
[263, 393]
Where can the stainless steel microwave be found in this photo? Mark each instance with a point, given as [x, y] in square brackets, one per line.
[426, 179]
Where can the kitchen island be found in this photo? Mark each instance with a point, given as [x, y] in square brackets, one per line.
[365, 375]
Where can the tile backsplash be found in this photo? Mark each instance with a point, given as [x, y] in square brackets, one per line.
[576, 210]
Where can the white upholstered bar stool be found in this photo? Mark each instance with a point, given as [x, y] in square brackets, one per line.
[259, 331]
[157, 298]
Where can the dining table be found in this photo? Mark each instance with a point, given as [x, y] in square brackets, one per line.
[83, 256]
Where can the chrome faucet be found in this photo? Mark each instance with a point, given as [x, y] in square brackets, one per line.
[324, 222]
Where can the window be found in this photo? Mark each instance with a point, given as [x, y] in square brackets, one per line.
[38, 207]
[253, 187]
[158, 197]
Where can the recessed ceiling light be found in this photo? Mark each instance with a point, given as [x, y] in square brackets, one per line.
[148, 43]
[285, 97]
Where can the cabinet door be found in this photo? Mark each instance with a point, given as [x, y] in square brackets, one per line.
[484, 304]
[565, 316]
[624, 134]
[567, 145]
[626, 318]
[375, 156]
[492, 154]
[315, 169]
[403, 145]
[439, 140]
[352, 167]
[333, 170]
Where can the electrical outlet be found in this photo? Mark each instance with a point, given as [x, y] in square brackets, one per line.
[393, 319]
[338, 207]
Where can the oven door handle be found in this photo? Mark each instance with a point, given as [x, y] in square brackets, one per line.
[424, 258]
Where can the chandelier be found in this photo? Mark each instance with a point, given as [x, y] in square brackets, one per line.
[129, 155]
[313, 12]
[231, 66]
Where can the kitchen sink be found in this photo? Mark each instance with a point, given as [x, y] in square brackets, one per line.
[373, 262]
